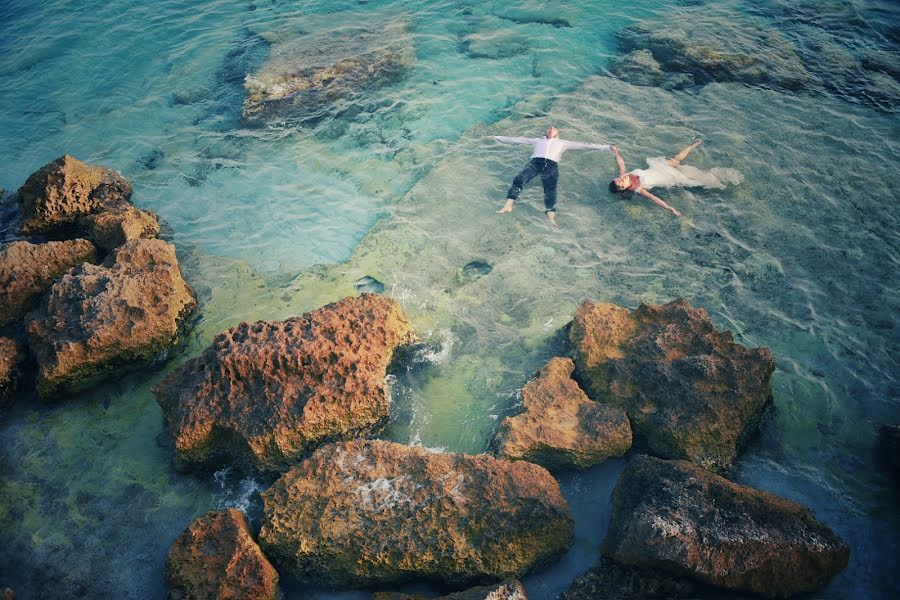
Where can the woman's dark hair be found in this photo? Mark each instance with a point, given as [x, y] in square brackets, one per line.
[613, 188]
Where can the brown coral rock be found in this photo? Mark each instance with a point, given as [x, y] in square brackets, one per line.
[265, 393]
[28, 270]
[216, 558]
[512, 589]
[112, 228]
[681, 519]
[100, 318]
[56, 195]
[366, 513]
[12, 355]
[690, 391]
[610, 581]
[560, 426]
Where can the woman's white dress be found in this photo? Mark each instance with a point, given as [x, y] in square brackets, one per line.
[660, 174]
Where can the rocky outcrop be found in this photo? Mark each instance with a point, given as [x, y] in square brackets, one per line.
[366, 513]
[559, 426]
[512, 589]
[12, 356]
[610, 581]
[216, 558]
[59, 193]
[98, 319]
[888, 447]
[265, 393]
[112, 228]
[680, 519]
[28, 270]
[689, 390]
[306, 77]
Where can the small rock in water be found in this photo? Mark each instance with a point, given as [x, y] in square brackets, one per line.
[476, 270]
[368, 285]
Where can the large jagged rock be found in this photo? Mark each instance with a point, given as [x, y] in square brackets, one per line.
[98, 319]
[12, 356]
[680, 519]
[216, 558]
[512, 589]
[610, 581]
[265, 393]
[112, 228]
[28, 270]
[308, 76]
[690, 391]
[366, 513]
[59, 193]
[560, 426]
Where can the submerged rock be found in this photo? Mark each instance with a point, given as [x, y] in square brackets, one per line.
[690, 391]
[678, 518]
[475, 269]
[112, 228]
[216, 558]
[368, 285]
[265, 393]
[307, 76]
[28, 270]
[367, 513]
[511, 589]
[610, 581]
[59, 193]
[98, 319]
[12, 356]
[560, 426]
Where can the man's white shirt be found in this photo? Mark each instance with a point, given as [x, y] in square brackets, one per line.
[551, 148]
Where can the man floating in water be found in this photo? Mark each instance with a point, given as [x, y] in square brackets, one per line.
[544, 162]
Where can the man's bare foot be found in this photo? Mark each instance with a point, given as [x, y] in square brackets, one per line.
[552, 216]
[506, 207]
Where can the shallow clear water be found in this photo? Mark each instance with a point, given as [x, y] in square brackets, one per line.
[401, 186]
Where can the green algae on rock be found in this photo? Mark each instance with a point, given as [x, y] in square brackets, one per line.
[680, 519]
[265, 393]
[690, 391]
[367, 513]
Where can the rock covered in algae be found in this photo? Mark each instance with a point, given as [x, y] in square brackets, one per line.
[511, 589]
[12, 356]
[54, 197]
[216, 558]
[690, 391]
[365, 513]
[112, 228]
[265, 393]
[678, 518]
[99, 318]
[610, 581]
[28, 270]
[310, 75]
[560, 426]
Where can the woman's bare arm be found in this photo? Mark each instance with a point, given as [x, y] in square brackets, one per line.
[619, 162]
[657, 201]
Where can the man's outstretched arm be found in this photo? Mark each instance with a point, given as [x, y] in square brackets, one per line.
[515, 140]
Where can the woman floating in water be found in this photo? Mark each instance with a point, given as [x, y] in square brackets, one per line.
[670, 172]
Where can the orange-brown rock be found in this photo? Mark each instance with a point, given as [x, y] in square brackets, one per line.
[215, 558]
[690, 391]
[369, 513]
[112, 228]
[99, 318]
[54, 197]
[560, 426]
[511, 589]
[12, 356]
[680, 519]
[263, 394]
[28, 270]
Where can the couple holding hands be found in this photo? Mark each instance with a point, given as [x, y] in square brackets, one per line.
[660, 172]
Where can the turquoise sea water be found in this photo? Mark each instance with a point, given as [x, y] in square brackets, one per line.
[401, 185]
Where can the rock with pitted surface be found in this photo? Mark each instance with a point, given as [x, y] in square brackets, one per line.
[263, 394]
[309, 76]
[101, 318]
[12, 356]
[56, 196]
[610, 581]
[112, 228]
[511, 589]
[560, 426]
[28, 270]
[215, 558]
[680, 519]
[369, 513]
[689, 390]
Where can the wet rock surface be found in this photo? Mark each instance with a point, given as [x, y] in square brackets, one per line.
[610, 581]
[681, 519]
[216, 558]
[560, 426]
[307, 76]
[265, 393]
[367, 513]
[28, 270]
[690, 391]
[101, 318]
[508, 590]
[112, 228]
[12, 357]
[59, 193]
